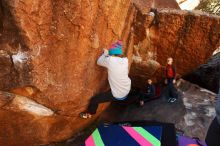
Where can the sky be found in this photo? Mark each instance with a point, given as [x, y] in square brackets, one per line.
[188, 4]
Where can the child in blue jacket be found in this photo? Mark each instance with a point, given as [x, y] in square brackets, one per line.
[148, 93]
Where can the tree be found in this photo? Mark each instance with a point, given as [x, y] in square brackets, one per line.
[210, 6]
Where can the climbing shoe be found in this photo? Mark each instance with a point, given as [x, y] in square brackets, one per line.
[85, 115]
[169, 100]
[173, 100]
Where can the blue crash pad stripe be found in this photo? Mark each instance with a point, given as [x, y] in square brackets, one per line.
[156, 131]
[115, 135]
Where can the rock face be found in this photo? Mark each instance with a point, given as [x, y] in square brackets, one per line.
[52, 46]
[10, 76]
[189, 37]
[23, 121]
[49, 51]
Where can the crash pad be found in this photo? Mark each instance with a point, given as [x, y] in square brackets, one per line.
[118, 135]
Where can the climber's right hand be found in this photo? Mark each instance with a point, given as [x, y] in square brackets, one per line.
[105, 51]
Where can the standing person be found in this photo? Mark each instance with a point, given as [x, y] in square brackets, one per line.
[149, 92]
[213, 134]
[170, 81]
[120, 83]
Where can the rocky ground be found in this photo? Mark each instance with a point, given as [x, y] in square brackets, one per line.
[192, 113]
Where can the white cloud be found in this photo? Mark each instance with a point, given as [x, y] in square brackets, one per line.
[188, 4]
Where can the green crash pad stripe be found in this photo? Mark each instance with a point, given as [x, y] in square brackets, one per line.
[148, 136]
[97, 138]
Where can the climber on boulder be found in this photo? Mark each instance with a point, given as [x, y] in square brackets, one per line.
[170, 81]
[120, 83]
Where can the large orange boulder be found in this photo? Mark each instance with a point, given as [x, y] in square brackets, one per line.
[50, 48]
[50, 52]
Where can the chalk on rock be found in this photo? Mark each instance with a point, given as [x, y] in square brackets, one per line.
[151, 14]
[20, 57]
[28, 105]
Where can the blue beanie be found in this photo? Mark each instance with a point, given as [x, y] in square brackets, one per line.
[116, 49]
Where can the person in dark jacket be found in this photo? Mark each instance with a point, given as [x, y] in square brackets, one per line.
[170, 81]
[213, 134]
[149, 92]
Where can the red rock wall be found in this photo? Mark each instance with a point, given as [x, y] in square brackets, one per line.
[59, 43]
[52, 47]
[189, 37]
[10, 75]
[64, 40]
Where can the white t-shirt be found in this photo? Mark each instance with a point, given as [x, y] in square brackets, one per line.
[119, 81]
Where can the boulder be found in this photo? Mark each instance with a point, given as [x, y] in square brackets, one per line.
[52, 48]
[207, 75]
[50, 52]
[189, 37]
